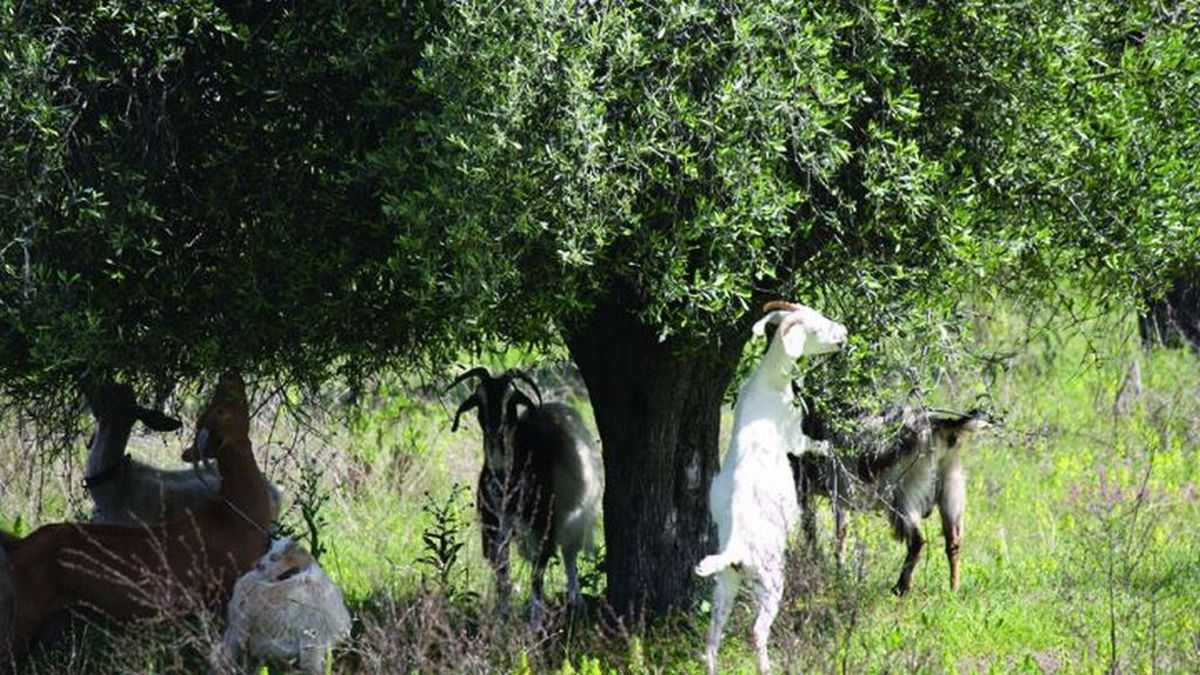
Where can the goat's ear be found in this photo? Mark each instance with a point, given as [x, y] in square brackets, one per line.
[974, 424]
[157, 421]
[793, 336]
[760, 326]
[471, 402]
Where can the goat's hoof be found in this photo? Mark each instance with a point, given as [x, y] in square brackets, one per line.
[899, 590]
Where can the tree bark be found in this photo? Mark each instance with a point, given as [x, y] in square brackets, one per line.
[1175, 318]
[658, 408]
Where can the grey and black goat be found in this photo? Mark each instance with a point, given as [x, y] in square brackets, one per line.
[541, 482]
[129, 492]
[902, 462]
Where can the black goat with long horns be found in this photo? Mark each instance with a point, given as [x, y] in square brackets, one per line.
[541, 482]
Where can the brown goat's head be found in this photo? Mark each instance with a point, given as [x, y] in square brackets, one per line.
[497, 401]
[948, 428]
[226, 419]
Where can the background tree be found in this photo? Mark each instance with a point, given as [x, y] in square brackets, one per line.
[1175, 317]
[298, 188]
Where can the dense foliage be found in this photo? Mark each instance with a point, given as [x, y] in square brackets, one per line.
[185, 186]
[298, 188]
[171, 170]
[694, 152]
[879, 160]
[1102, 150]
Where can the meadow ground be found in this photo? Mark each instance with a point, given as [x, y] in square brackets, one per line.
[1082, 549]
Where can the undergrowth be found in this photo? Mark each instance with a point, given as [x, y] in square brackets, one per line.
[1082, 547]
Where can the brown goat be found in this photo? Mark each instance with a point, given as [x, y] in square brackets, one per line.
[169, 569]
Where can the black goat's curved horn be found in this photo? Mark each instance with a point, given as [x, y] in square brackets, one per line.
[471, 402]
[517, 398]
[478, 371]
[524, 377]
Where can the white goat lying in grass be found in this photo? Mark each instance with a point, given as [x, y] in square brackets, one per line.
[753, 499]
[285, 609]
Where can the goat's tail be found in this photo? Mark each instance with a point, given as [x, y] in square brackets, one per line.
[717, 562]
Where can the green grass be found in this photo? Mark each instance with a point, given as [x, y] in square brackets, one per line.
[1083, 531]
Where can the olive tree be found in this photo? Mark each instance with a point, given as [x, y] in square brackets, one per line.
[640, 176]
[304, 187]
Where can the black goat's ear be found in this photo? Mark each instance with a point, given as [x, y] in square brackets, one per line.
[471, 402]
[157, 421]
[976, 421]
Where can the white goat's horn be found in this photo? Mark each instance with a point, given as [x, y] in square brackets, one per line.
[780, 304]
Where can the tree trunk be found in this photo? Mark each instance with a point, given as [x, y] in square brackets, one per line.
[658, 410]
[1174, 318]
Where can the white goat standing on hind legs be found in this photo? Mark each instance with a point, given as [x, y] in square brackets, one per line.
[753, 499]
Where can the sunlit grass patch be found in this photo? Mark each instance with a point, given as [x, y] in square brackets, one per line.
[1082, 533]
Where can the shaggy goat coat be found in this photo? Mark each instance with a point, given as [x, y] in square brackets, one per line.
[541, 484]
[901, 463]
[284, 610]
